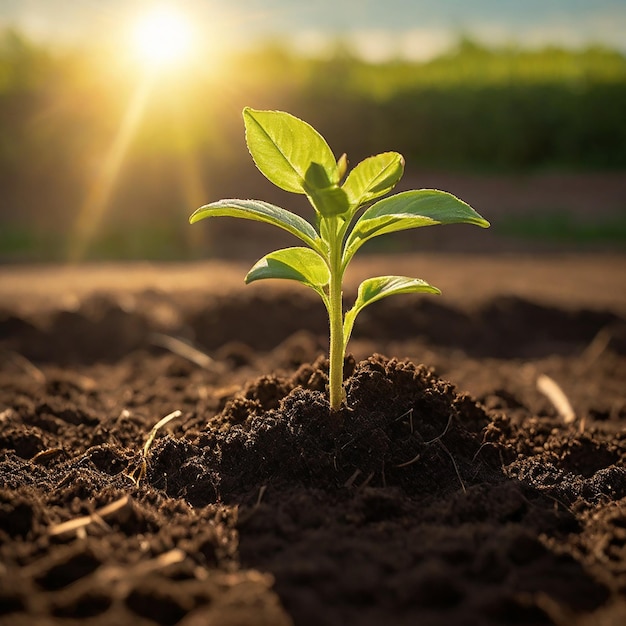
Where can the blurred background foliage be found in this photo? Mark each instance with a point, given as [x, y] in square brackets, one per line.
[91, 151]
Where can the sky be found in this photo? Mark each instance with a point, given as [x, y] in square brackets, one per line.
[376, 28]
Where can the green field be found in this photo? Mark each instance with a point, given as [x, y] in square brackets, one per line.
[87, 150]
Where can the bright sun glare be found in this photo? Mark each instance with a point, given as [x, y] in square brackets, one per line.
[162, 37]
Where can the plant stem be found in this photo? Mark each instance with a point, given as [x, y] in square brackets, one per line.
[335, 315]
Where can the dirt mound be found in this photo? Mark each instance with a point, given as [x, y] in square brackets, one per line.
[401, 427]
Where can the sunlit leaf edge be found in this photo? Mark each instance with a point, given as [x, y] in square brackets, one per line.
[260, 211]
[375, 221]
[291, 176]
[302, 265]
[388, 286]
[380, 179]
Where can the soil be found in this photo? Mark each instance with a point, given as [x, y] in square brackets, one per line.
[449, 490]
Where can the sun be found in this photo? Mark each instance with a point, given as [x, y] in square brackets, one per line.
[162, 37]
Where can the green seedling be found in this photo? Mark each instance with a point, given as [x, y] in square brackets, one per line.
[296, 158]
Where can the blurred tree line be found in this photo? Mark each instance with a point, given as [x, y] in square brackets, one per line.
[66, 130]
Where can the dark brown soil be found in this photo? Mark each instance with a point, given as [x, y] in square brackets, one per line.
[423, 501]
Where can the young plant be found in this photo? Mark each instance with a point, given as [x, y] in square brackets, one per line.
[296, 158]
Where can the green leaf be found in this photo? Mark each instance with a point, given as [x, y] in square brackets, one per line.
[380, 287]
[285, 148]
[342, 165]
[374, 177]
[374, 289]
[410, 209]
[327, 198]
[260, 211]
[330, 201]
[301, 264]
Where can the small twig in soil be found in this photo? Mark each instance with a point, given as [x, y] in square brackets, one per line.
[43, 456]
[596, 347]
[437, 439]
[140, 472]
[366, 482]
[262, 490]
[551, 389]
[415, 459]
[246, 515]
[410, 414]
[357, 473]
[27, 366]
[97, 517]
[155, 429]
[183, 349]
[456, 467]
[352, 478]
[426, 443]
[163, 560]
[120, 577]
[486, 444]
[443, 434]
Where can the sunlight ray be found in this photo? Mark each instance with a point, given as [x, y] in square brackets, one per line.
[92, 210]
[194, 189]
